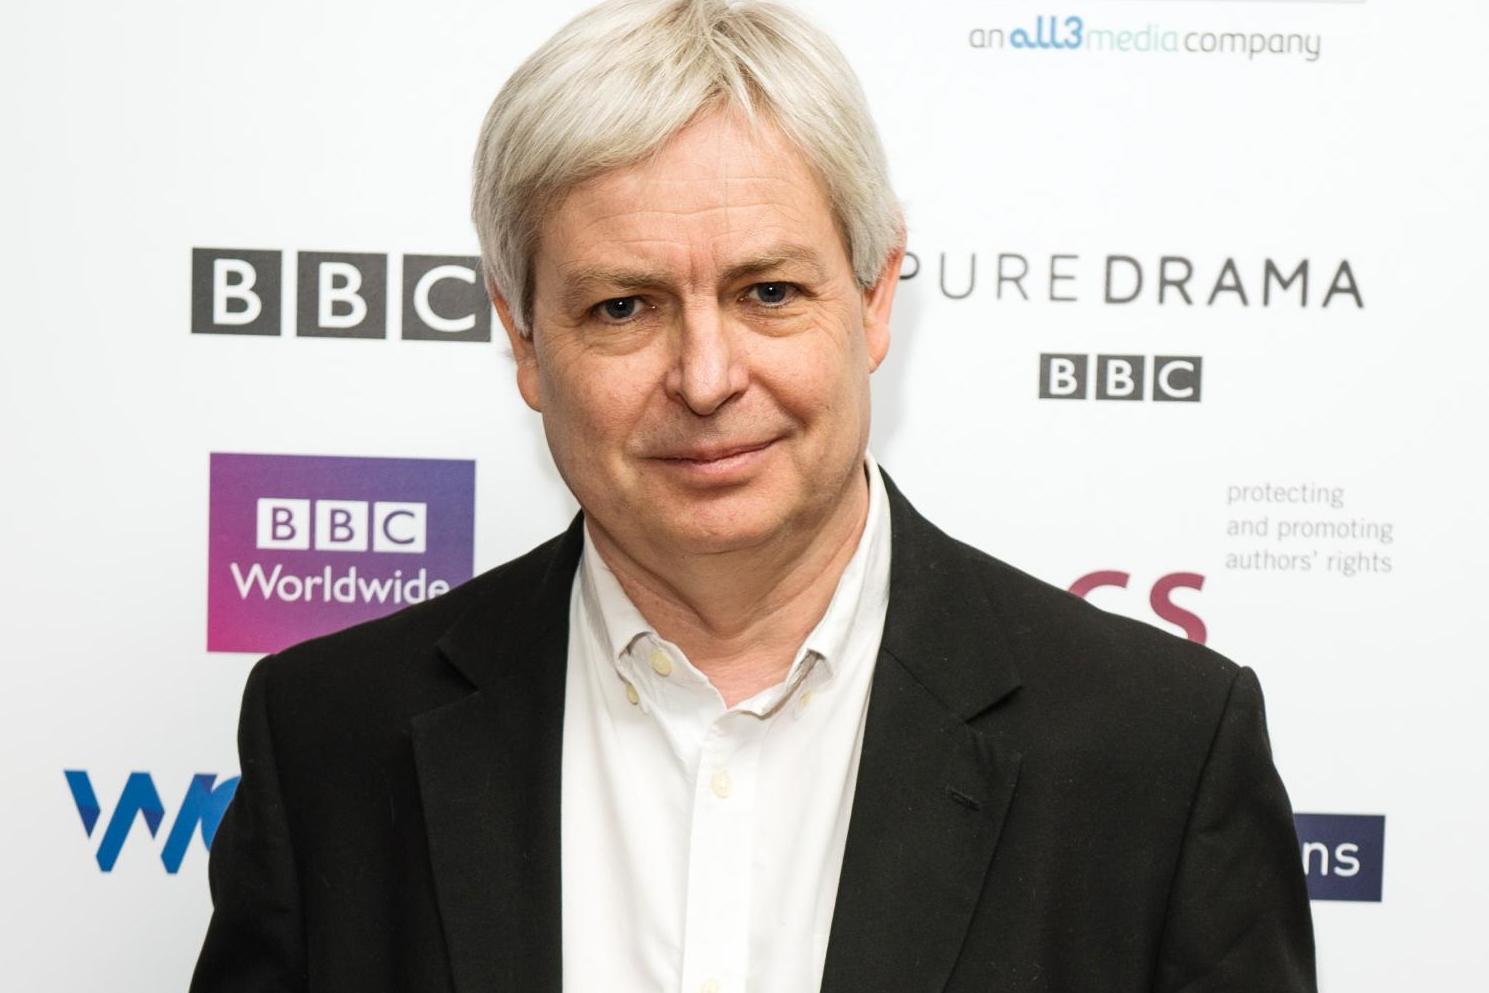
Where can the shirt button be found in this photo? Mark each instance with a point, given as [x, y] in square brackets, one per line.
[803, 700]
[712, 986]
[660, 663]
[631, 694]
[720, 784]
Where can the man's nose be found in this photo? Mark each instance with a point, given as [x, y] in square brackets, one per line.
[709, 368]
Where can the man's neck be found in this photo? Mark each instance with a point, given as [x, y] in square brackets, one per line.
[740, 617]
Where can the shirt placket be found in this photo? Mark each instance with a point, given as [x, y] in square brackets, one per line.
[721, 855]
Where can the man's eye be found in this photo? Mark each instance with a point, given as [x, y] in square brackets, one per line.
[619, 310]
[774, 294]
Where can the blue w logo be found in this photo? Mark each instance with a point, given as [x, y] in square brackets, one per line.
[204, 805]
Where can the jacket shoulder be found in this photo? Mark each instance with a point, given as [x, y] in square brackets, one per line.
[1063, 647]
[1096, 669]
[394, 659]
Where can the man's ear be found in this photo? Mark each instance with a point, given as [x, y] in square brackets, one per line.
[877, 302]
[523, 350]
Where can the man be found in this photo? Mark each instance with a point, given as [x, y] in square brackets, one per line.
[751, 723]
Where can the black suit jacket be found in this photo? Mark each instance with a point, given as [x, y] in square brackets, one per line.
[1049, 798]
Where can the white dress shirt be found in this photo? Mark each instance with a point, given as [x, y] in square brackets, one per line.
[701, 845]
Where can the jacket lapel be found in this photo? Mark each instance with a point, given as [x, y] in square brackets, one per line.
[489, 770]
[932, 791]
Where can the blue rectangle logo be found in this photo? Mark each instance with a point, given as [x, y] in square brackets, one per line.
[1342, 855]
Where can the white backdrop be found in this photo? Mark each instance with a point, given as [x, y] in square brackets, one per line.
[136, 133]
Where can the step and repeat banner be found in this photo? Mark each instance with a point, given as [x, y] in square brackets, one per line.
[1192, 325]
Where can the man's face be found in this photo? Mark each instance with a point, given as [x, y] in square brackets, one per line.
[701, 351]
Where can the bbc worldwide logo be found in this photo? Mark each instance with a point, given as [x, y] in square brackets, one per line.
[304, 545]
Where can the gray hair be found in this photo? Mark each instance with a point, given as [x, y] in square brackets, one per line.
[617, 81]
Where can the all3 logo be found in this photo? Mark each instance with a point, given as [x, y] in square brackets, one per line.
[1160, 596]
[339, 295]
[200, 811]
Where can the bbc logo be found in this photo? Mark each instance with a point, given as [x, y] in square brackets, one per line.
[1120, 377]
[339, 295]
[342, 525]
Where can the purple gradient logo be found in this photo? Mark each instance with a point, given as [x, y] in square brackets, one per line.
[304, 545]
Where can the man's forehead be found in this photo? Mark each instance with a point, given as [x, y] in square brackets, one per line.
[719, 201]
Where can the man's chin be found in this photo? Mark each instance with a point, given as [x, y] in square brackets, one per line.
[701, 535]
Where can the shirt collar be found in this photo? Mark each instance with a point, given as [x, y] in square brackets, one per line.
[860, 595]
[863, 588]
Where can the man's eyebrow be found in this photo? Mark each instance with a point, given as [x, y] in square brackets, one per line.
[581, 282]
[775, 258]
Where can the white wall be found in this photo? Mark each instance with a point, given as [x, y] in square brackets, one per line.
[135, 133]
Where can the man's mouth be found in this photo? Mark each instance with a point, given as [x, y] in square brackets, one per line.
[706, 454]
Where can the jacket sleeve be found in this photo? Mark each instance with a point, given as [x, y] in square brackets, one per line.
[1238, 918]
[255, 941]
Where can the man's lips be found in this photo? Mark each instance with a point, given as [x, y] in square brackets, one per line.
[704, 454]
